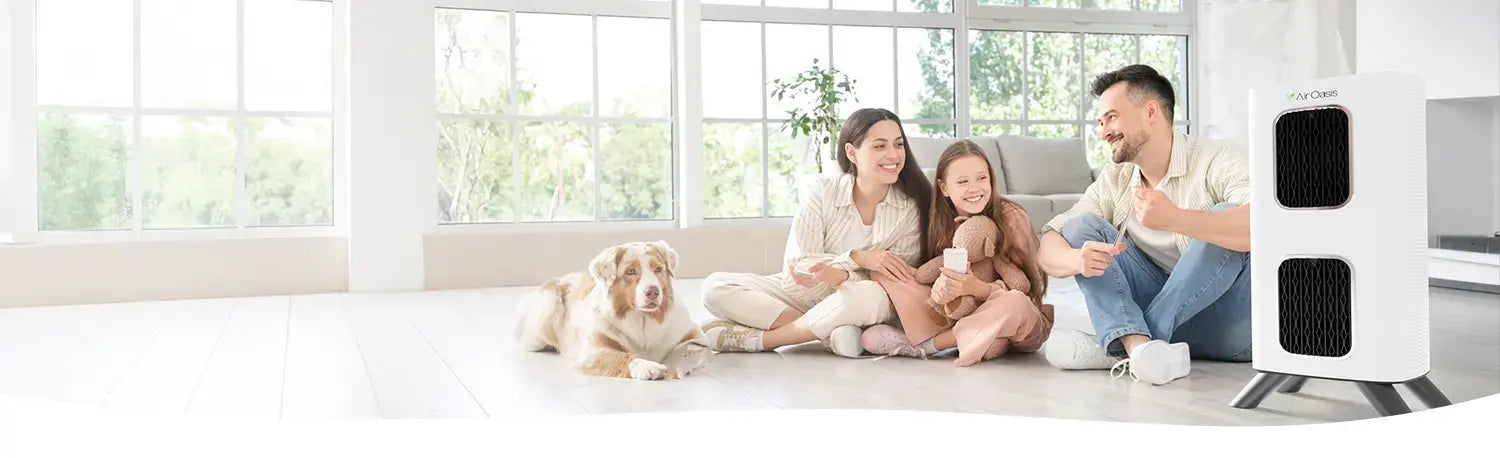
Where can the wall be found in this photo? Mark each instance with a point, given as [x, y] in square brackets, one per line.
[1463, 162]
[5, 104]
[475, 261]
[1252, 43]
[123, 272]
[1454, 44]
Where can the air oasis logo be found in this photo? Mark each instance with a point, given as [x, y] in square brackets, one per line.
[1295, 96]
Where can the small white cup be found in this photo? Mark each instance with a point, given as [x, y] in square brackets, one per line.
[956, 259]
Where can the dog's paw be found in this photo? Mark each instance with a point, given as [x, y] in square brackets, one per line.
[641, 369]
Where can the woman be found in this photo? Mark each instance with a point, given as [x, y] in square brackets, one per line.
[867, 219]
[1011, 314]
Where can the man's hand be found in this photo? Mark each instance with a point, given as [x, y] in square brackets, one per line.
[1155, 209]
[885, 262]
[1095, 257]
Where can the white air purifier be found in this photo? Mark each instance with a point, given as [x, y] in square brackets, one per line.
[1338, 238]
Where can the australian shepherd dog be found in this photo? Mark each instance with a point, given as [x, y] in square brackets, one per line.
[619, 318]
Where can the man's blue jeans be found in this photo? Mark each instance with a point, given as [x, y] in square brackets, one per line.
[1204, 301]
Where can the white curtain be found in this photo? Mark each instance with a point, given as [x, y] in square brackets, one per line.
[1252, 43]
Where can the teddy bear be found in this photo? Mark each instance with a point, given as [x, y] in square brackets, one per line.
[978, 235]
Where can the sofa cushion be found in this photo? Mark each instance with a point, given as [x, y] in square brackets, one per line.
[1038, 208]
[1044, 166]
[1062, 202]
[992, 151]
[927, 150]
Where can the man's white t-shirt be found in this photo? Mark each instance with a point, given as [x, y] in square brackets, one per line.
[1158, 246]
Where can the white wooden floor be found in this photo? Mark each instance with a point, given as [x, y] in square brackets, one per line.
[449, 355]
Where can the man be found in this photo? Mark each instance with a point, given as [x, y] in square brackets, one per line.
[1159, 243]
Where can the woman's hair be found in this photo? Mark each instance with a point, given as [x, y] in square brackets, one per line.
[911, 181]
[943, 227]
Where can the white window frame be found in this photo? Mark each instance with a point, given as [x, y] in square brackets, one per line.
[24, 110]
[686, 17]
[594, 9]
[1035, 13]
[1086, 21]
[827, 16]
[1026, 121]
[1089, 21]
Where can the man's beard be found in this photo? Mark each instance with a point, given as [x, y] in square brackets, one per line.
[1128, 149]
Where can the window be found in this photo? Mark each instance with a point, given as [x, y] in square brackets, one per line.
[905, 6]
[218, 114]
[569, 121]
[1037, 83]
[752, 163]
[1121, 5]
[183, 114]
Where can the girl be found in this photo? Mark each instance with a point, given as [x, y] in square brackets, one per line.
[867, 219]
[1011, 314]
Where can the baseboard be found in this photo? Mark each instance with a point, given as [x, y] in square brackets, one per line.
[1464, 270]
[39, 275]
[1466, 286]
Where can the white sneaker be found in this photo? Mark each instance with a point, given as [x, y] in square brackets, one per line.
[1073, 349]
[845, 341]
[1157, 362]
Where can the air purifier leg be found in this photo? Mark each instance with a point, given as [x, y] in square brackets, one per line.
[1428, 393]
[1384, 398]
[1257, 390]
[1293, 384]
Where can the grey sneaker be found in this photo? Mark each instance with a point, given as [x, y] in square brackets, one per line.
[844, 341]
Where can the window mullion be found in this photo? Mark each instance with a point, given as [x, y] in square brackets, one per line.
[1083, 85]
[765, 124]
[138, 154]
[515, 127]
[594, 127]
[895, 68]
[1026, 39]
[240, 122]
[962, 80]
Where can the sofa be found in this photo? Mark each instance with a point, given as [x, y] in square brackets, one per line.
[1044, 176]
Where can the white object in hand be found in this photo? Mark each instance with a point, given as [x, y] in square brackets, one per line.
[803, 270]
[956, 259]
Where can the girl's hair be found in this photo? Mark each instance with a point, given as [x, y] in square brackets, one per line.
[911, 181]
[942, 224]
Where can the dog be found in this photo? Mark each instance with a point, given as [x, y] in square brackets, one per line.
[620, 318]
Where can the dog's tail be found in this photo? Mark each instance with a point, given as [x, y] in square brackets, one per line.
[542, 311]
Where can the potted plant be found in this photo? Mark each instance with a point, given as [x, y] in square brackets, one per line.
[817, 94]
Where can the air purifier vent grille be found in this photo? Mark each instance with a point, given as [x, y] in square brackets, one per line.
[1315, 306]
[1312, 158]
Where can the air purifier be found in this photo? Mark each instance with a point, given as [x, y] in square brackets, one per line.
[1338, 238]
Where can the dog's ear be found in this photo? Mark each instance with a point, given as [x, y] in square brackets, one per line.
[667, 253]
[604, 265]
